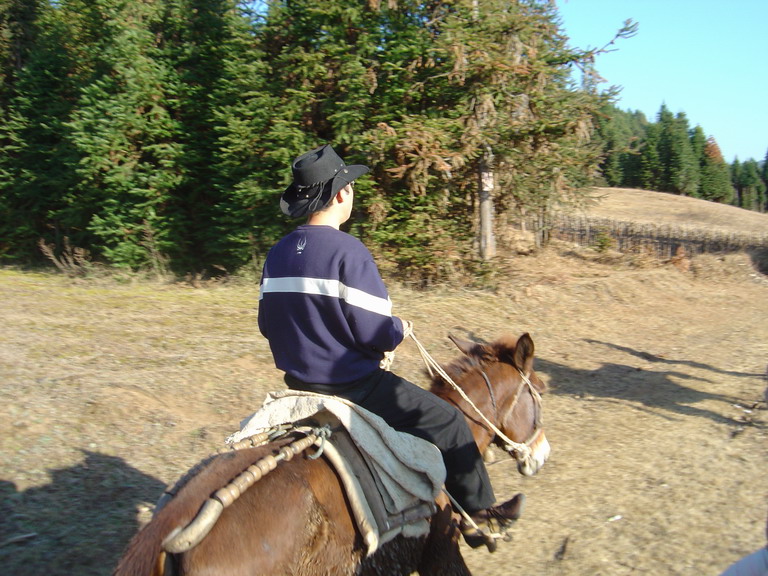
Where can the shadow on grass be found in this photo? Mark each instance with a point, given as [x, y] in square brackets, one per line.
[759, 257]
[662, 390]
[78, 524]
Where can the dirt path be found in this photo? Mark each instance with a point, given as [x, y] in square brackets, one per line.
[109, 391]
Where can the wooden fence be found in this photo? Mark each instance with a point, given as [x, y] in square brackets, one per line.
[665, 241]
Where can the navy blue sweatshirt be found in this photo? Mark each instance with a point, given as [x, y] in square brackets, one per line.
[324, 307]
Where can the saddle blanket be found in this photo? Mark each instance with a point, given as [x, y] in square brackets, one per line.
[408, 471]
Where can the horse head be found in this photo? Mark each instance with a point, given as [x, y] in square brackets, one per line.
[501, 383]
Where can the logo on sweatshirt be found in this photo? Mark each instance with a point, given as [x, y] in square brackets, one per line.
[301, 244]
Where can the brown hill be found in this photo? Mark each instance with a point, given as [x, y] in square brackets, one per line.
[666, 226]
[647, 207]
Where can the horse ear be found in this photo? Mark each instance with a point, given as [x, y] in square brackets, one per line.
[465, 346]
[476, 351]
[524, 353]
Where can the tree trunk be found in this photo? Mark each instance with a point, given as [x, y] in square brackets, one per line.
[485, 173]
[487, 238]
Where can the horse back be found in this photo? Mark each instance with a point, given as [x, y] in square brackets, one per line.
[296, 515]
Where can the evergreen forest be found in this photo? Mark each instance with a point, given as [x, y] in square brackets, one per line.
[158, 134]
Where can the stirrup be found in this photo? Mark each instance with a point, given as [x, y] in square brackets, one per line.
[506, 514]
[498, 519]
[476, 537]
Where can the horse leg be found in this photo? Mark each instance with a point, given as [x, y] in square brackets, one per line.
[441, 555]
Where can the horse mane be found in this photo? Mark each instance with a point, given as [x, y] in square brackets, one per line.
[144, 553]
[479, 356]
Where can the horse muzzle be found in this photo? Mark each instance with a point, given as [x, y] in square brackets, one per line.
[539, 450]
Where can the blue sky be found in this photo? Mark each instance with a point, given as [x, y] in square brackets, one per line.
[706, 58]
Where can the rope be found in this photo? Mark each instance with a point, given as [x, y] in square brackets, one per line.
[184, 539]
[522, 451]
[322, 434]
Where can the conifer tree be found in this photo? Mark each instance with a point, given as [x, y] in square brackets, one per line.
[699, 144]
[18, 24]
[503, 122]
[128, 140]
[36, 159]
[764, 175]
[685, 175]
[631, 159]
[622, 134]
[17, 35]
[715, 177]
[359, 78]
[320, 71]
[651, 166]
[614, 144]
[751, 186]
[146, 130]
[735, 170]
[197, 47]
[249, 160]
[679, 166]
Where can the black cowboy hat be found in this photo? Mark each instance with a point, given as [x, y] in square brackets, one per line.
[317, 176]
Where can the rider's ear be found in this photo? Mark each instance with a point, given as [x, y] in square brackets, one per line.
[344, 194]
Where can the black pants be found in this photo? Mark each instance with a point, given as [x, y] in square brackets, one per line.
[411, 409]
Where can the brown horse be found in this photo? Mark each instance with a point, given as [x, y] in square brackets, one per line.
[296, 520]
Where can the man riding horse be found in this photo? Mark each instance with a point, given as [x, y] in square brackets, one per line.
[328, 318]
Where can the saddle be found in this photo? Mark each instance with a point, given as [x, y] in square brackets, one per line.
[391, 478]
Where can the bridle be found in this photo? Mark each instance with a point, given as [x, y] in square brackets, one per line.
[509, 446]
[520, 451]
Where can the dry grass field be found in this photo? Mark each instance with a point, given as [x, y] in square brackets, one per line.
[111, 389]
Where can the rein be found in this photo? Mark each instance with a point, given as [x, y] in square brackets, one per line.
[493, 396]
[522, 451]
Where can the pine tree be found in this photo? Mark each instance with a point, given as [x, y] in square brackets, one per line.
[679, 166]
[751, 186]
[685, 172]
[735, 170]
[17, 36]
[321, 71]
[699, 145]
[249, 165]
[501, 126]
[198, 46]
[128, 140]
[146, 130]
[353, 76]
[715, 177]
[622, 134]
[764, 175]
[651, 166]
[36, 160]
[18, 19]
[615, 140]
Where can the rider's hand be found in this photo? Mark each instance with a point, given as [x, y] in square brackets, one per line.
[407, 328]
[386, 362]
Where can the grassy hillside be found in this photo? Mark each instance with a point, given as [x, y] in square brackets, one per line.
[644, 206]
[665, 226]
